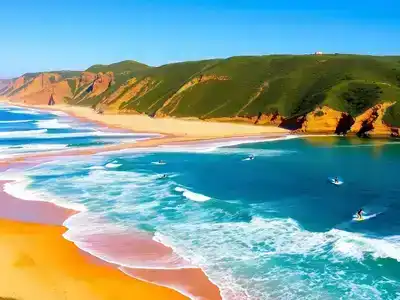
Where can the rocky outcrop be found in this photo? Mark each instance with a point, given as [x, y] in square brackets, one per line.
[371, 123]
[322, 120]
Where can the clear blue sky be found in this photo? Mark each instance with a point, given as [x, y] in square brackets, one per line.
[43, 35]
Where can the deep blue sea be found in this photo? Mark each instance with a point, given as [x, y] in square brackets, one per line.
[268, 228]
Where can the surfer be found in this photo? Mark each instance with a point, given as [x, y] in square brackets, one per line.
[336, 180]
[359, 213]
[164, 176]
[251, 157]
[161, 162]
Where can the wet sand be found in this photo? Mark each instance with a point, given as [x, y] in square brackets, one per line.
[57, 271]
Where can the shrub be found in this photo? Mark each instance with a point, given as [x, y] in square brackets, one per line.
[361, 96]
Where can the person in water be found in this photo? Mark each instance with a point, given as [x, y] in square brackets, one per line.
[336, 180]
[359, 213]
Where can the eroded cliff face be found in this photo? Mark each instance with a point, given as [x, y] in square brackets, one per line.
[370, 123]
[37, 90]
[322, 120]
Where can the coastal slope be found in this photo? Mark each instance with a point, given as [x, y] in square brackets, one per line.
[305, 93]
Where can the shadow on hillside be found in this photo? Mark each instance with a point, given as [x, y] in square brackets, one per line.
[294, 123]
[344, 124]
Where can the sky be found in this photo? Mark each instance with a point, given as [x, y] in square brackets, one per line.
[54, 35]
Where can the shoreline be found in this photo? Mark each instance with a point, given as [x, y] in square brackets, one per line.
[171, 127]
[189, 282]
[62, 270]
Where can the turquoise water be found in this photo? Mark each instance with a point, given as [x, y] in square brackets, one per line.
[268, 228]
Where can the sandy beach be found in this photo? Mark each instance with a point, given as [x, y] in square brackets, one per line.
[167, 126]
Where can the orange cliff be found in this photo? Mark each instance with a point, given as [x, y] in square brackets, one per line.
[372, 121]
[321, 120]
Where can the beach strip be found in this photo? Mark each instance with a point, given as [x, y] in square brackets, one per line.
[141, 123]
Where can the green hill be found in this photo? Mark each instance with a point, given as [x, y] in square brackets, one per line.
[290, 85]
[125, 66]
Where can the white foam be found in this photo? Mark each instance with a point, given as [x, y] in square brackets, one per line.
[42, 134]
[84, 226]
[15, 121]
[58, 113]
[214, 147]
[112, 165]
[191, 195]
[25, 112]
[24, 133]
[19, 188]
[15, 150]
[51, 124]
[220, 248]
[158, 163]
[96, 168]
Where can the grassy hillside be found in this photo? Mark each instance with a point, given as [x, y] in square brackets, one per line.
[125, 66]
[247, 86]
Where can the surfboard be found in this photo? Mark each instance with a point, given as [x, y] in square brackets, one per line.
[364, 217]
[332, 180]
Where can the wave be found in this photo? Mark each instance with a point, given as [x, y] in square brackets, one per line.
[113, 165]
[191, 195]
[24, 133]
[31, 147]
[96, 168]
[214, 147]
[51, 124]
[271, 246]
[25, 112]
[94, 235]
[41, 134]
[19, 188]
[58, 113]
[15, 121]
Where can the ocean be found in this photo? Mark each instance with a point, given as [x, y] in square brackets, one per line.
[269, 228]
[25, 130]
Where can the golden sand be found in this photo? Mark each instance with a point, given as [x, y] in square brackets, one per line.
[37, 263]
[169, 126]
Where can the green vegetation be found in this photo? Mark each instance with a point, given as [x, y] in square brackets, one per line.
[392, 116]
[248, 86]
[361, 96]
[125, 66]
[72, 85]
